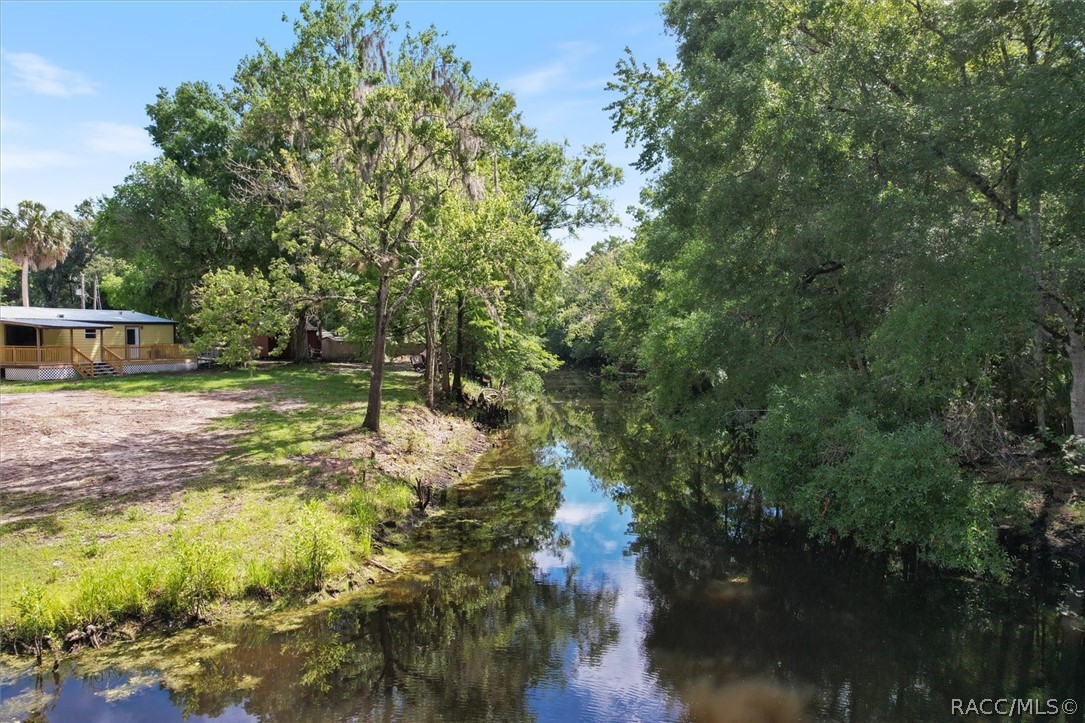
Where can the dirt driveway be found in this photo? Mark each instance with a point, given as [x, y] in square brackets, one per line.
[64, 447]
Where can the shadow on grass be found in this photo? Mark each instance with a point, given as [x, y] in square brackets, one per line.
[254, 447]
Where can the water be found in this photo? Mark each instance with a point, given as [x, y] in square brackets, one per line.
[584, 572]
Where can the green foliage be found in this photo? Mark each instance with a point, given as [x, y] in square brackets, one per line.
[233, 307]
[841, 469]
[596, 294]
[9, 281]
[1073, 455]
[312, 550]
[115, 592]
[196, 574]
[34, 238]
[362, 512]
[855, 204]
[38, 615]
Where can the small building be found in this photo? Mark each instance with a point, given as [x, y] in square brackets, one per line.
[39, 344]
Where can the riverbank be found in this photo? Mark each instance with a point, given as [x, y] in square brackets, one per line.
[166, 500]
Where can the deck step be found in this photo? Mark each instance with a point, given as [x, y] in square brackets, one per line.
[102, 369]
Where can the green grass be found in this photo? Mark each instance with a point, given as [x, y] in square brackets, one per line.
[293, 503]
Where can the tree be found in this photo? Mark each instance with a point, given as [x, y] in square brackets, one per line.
[178, 217]
[856, 209]
[233, 307]
[34, 239]
[365, 143]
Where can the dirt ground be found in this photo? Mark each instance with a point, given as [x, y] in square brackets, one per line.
[64, 447]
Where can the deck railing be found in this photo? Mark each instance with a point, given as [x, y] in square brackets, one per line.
[149, 351]
[36, 355]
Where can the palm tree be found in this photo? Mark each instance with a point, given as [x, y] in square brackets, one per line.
[35, 239]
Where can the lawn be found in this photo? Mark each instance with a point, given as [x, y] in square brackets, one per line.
[158, 497]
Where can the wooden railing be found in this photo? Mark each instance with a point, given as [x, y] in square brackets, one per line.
[36, 355]
[148, 351]
[83, 364]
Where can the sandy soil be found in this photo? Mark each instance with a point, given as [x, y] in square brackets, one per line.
[70, 447]
[59, 448]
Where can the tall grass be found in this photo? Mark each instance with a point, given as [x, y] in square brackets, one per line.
[312, 551]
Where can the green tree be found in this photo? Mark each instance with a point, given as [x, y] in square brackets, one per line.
[368, 142]
[34, 239]
[179, 216]
[862, 193]
[233, 307]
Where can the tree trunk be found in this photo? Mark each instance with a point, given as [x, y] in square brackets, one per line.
[431, 351]
[1076, 349]
[26, 282]
[301, 338]
[376, 376]
[446, 386]
[1039, 368]
[457, 378]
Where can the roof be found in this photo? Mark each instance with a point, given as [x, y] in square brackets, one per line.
[53, 323]
[36, 315]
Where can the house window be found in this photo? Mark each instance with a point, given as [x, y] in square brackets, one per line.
[90, 333]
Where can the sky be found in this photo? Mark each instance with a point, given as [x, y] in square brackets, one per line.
[76, 77]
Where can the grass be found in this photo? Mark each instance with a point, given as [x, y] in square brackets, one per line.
[296, 501]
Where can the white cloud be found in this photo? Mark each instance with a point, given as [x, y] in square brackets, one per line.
[31, 160]
[553, 74]
[579, 513]
[119, 139]
[38, 75]
[7, 125]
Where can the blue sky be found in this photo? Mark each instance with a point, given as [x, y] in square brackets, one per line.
[75, 77]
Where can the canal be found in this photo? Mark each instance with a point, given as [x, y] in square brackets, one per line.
[587, 571]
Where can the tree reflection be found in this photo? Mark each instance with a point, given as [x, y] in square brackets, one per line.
[471, 638]
[737, 594]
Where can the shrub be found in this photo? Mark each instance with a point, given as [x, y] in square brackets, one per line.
[312, 550]
[888, 486]
[38, 615]
[196, 573]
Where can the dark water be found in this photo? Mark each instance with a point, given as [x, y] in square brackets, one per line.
[589, 572]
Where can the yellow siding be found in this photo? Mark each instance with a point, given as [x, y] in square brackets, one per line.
[55, 337]
[156, 334]
[91, 347]
[114, 336]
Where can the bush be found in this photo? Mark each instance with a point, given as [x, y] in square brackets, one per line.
[834, 466]
[312, 550]
[38, 616]
[197, 573]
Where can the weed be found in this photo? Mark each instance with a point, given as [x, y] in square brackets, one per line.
[259, 578]
[196, 574]
[312, 549]
[91, 548]
[362, 512]
[111, 593]
[39, 616]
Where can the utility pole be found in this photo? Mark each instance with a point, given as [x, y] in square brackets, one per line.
[83, 289]
[97, 297]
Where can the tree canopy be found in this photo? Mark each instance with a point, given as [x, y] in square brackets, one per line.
[862, 251]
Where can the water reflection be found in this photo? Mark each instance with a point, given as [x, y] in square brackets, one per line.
[592, 570]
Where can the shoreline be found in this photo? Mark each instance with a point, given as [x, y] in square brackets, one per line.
[293, 479]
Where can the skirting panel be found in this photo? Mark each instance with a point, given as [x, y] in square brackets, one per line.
[181, 366]
[31, 374]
